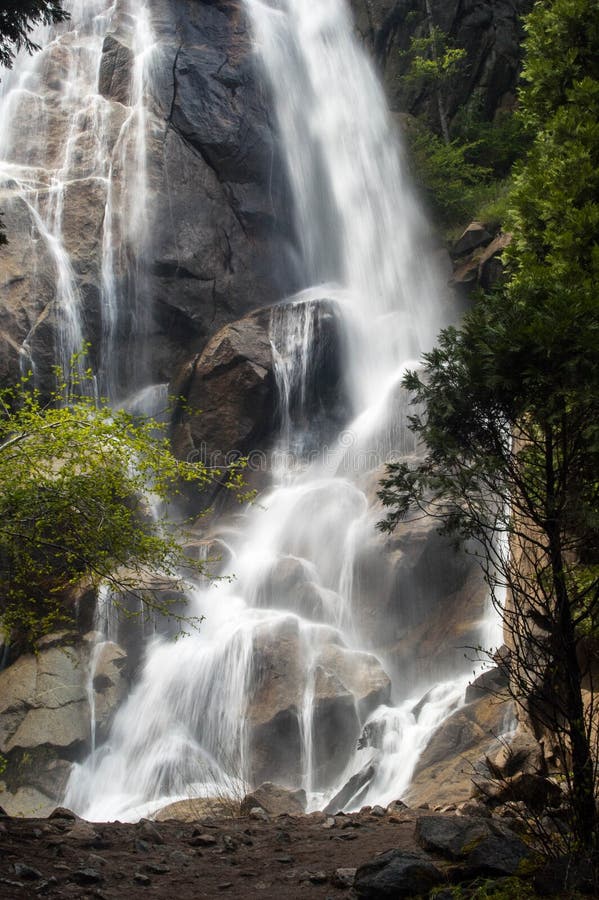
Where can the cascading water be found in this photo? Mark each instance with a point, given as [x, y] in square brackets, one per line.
[204, 718]
[75, 163]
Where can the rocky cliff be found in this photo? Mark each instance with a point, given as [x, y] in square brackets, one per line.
[490, 31]
[211, 195]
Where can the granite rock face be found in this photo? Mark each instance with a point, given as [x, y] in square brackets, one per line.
[212, 198]
[45, 716]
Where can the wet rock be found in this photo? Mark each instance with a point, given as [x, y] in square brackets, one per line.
[115, 70]
[275, 800]
[396, 873]
[232, 383]
[444, 772]
[355, 788]
[347, 686]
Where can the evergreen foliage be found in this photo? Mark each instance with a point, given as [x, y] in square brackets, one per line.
[18, 18]
[508, 407]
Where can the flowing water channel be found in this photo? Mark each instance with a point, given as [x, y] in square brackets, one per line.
[203, 719]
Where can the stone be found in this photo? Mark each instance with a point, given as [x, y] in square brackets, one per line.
[344, 877]
[259, 814]
[147, 831]
[495, 857]
[275, 800]
[519, 753]
[27, 873]
[86, 876]
[348, 685]
[457, 751]
[232, 383]
[352, 790]
[535, 791]
[204, 840]
[396, 873]
[492, 682]
[454, 836]
[192, 810]
[475, 236]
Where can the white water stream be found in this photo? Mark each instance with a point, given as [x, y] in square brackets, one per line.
[75, 163]
[188, 725]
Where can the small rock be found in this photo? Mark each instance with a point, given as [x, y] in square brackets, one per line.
[225, 886]
[27, 873]
[140, 878]
[149, 832]
[396, 806]
[344, 878]
[378, 812]
[259, 814]
[318, 878]
[62, 813]
[203, 840]
[86, 876]
[284, 860]
[156, 869]
[329, 823]
[44, 886]
[229, 843]
[180, 858]
[141, 846]
[283, 837]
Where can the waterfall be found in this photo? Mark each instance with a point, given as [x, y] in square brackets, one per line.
[74, 164]
[280, 682]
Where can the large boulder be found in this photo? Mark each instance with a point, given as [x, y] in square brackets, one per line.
[275, 800]
[293, 661]
[457, 750]
[416, 598]
[232, 384]
[45, 716]
[397, 873]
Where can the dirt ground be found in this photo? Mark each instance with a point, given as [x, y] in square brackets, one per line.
[285, 857]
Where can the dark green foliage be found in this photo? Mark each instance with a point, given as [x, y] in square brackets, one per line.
[509, 406]
[17, 20]
[448, 183]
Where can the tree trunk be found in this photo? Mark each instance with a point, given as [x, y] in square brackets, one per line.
[568, 674]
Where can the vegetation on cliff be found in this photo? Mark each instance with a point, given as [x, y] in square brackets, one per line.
[75, 508]
[509, 406]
